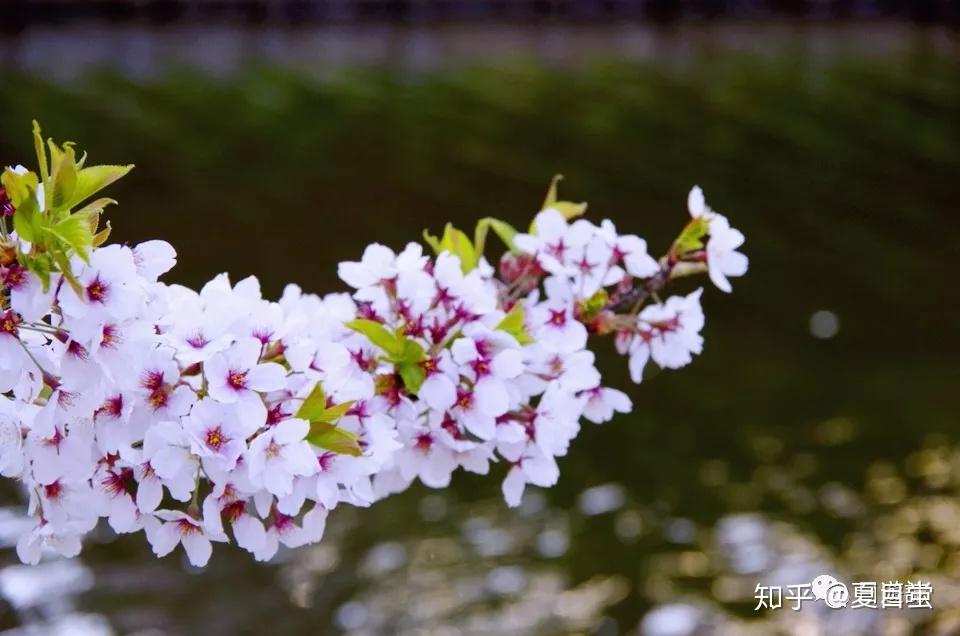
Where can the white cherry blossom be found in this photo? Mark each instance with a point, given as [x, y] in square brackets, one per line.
[279, 454]
[723, 259]
[179, 528]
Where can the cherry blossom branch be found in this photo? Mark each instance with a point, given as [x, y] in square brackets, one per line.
[220, 416]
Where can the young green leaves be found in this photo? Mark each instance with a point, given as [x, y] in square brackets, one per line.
[591, 307]
[405, 354]
[513, 324]
[504, 230]
[44, 205]
[470, 252]
[691, 237]
[21, 187]
[458, 243]
[568, 209]
[324, 431]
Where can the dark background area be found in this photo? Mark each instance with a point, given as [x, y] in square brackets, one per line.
[788, 449]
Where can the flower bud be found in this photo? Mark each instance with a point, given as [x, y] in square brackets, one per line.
[522, 270]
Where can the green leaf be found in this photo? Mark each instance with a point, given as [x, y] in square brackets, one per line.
[55, 154]
[412, 374]
[334, 439]
[405, 353]
[314, 406]
[504, 230]
[480, 236]
[314, 409]
[25, 219]
[551, 197]
[91, 212]
[63, 179]
[41, 152]
[101, 237]
[93, 179]
[568, 209]
[432, 241]
[411, 351]
[96, 207]
[592, 306]
[335, 412]
[458, 243]
[513, 321]
[74, 232]
[378, 335]
[513, 324]
[691, 237]
[409, 366]
[19, 187]
[41, 265]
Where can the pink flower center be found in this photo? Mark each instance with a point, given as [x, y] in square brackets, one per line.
[8, 324]
[443, 296]
[556, 365]
[617, 255]
[65, 399]
[282, 522]
[215, 438]
[669, 325]
[197, 341]
[159, 398]
[557, 318]
[276, 415]
[234, 510]
[415, 328]
[186, 527]
[481, 366]
[365, 363]
[97, 290]
[237, 379]
[55, 439]
[450, 426]
[325, 461]
[76, 350]
[112, 406]
[424, 442]
[429, 366]
[110, 337]
[464, 398]
[116, 484]
[557, 250]
[15, 276]
[53, 491]
[273, 449]
[152, 380]
[365, 310]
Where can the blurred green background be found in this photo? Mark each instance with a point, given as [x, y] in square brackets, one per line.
[816, 434]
